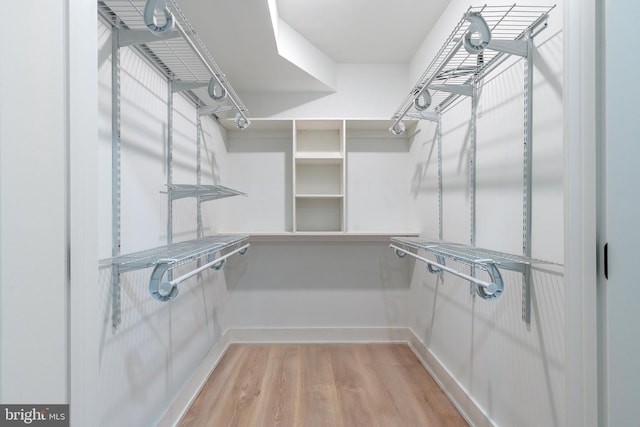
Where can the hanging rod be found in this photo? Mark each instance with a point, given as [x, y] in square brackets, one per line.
[492, 289]
[216, 262]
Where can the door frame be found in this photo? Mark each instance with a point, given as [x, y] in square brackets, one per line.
[581, 79]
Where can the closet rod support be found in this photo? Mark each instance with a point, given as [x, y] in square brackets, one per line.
[151, 21]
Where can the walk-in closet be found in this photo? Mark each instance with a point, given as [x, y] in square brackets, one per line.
[323, 213]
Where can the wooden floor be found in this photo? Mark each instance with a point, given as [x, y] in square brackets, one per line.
[321, 385]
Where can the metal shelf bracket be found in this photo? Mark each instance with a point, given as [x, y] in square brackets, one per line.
[462, 89]
[512, 47]
[208, 110]
[182, 85]
[139, 37]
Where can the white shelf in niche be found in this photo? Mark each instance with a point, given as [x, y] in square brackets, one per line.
[319, 196]
[319, 178]
[319, 214]
[318, 157]
[319, 175]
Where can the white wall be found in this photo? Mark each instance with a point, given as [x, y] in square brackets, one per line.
[260, 164]
[514, 372]
[317, 285]
[362, 91]
[377, 174]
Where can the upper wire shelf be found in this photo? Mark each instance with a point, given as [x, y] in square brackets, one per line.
[479, 42]
[179, 53]
[203, 192]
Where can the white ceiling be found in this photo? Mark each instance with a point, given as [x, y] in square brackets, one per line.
[240, 36]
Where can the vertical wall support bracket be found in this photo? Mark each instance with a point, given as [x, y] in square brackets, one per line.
[115, 177]
[473, 140]
[527, 178]
[169, 167]
[440, 188]
[199, 137]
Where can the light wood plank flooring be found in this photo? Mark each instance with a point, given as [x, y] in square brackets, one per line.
[321, 385]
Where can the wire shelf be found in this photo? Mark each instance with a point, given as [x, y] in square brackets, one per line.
[183, 58]
[175, 254]
[203, 192]
[469, 255]
[453, 65]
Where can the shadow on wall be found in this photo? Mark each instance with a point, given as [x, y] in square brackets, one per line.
[210, 166]
[546, 54]
[156, 346]
[420, 182]
[318, 266]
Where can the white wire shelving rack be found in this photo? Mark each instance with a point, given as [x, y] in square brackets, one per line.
[161, 33]
[484, 38]
[453, 70]
[178, 53]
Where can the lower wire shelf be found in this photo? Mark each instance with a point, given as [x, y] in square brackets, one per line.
[166, 258]
[488, 260]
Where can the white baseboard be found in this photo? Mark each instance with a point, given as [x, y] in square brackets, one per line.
[318, 335]
[187, 395]
[456, 394]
